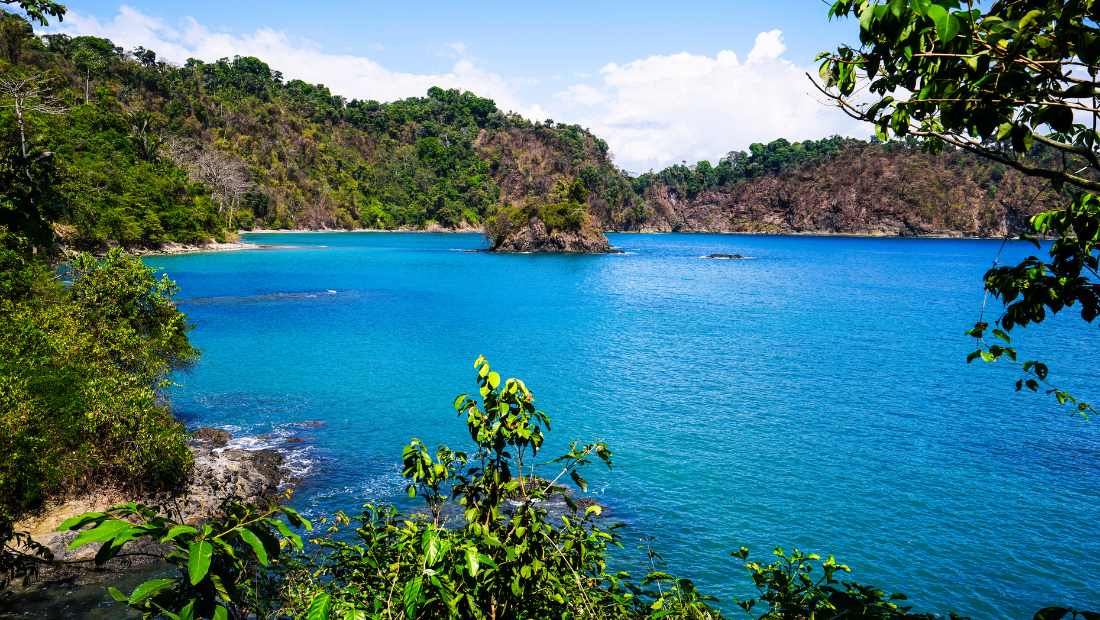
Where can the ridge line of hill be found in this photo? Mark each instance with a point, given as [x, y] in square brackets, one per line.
[148, 153]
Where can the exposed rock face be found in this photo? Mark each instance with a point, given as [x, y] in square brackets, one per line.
[864, 189]
[219, 474]
[535, 237]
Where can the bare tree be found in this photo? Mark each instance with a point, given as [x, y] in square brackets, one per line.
[317, 213]
[225, 175]
[28, 95]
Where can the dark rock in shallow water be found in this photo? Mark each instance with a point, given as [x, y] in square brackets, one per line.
[725, 256]
[216, 437]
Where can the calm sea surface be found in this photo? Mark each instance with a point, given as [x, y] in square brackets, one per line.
[815, 395]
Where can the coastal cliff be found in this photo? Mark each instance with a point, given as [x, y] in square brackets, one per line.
[840, 186]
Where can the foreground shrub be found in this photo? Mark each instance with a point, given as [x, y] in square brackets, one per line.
[80, 371]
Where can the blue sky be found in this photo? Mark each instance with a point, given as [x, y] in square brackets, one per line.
[661, 81]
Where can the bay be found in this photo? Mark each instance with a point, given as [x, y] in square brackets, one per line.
[815, 394]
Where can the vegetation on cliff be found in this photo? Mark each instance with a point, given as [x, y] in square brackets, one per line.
[83, 353]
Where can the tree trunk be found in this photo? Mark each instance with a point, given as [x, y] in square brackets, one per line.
[87, 84]
[22, 131]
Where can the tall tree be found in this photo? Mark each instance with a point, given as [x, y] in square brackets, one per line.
[28, 202]
[93, 56]
[998, 79]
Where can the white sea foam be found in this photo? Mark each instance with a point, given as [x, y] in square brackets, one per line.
[299, 458]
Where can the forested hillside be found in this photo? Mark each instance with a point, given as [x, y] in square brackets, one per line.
[151, 152]
[840, 185]
[146, 152]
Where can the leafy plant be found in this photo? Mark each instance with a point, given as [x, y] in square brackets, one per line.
[217, 563]
[799, 585]
[81, 369]
[510, 557]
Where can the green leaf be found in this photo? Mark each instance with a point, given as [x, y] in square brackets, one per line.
[947, 25]
[866, 16]
[472, 561]
[253, 541]
[411, 596]
[117, 594]
[221, 613]
[104, 531]
[296, 519]
[148, 589]
[950, 29]
[188, 611]
[431, 548]
[198, 560]
[1030, 17]
[319, 607]
[581, 482]
[294, 539]
[73, 523]
[177, 530]
[494, 379]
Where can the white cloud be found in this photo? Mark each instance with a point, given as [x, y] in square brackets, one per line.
[582, 94]
[769, 46]
[346, 74]
[667, 108]
[652, 111]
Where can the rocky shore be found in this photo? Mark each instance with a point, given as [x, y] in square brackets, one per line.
[220, 473]
[166, 249]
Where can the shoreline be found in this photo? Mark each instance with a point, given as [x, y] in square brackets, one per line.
[173, 249]
[223, 469]
[304, 231]
[823, 234]
[178, 249]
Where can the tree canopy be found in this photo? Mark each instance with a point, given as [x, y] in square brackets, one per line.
[997, 79]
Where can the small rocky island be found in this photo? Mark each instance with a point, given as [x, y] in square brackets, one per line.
[535, 236]
[562, 224]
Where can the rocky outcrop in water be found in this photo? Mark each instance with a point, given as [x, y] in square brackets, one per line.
[220, 473]
[536, 237]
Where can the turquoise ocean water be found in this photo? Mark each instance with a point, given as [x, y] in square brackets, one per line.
[815, 395]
